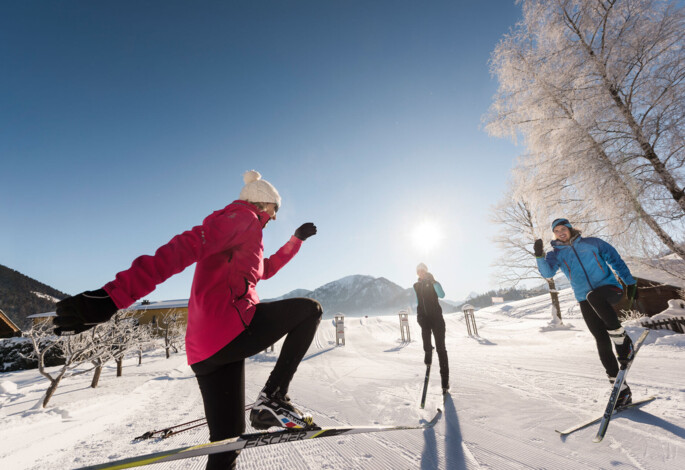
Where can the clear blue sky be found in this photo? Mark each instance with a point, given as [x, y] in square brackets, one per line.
[123, 123]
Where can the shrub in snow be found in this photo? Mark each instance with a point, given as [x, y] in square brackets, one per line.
[15, 352]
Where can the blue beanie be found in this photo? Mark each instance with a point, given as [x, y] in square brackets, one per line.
[561, 222]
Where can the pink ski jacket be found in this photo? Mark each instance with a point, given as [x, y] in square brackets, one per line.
[230, 260]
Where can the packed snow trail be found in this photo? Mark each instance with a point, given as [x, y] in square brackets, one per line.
[510, 389]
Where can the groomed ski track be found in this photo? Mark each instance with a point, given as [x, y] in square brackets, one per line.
[511, 388]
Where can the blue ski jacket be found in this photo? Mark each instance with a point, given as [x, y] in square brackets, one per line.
[584, 263]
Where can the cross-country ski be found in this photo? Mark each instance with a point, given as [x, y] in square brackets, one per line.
[590, 422]
[258, 439]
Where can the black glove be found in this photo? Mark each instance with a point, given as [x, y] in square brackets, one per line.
[305, 231]
[537, 248]
[80, 312]
[632, 292]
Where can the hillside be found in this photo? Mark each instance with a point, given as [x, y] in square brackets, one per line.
[21, 296]
[361, 295]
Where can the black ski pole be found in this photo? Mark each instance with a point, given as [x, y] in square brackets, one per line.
[171, 430]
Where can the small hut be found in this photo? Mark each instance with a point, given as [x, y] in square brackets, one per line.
[8, 328]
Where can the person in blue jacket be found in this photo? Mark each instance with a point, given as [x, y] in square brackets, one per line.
[429, 317]
[585, 262]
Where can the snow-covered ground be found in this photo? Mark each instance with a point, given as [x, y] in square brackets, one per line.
[511, 388]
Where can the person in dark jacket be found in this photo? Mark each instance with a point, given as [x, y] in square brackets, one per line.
[429, 316]
[585, 262]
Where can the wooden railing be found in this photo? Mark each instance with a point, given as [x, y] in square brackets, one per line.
[676, 324]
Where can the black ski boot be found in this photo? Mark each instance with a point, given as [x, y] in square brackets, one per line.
[275, 409]
[445, 382]
[625, 396]
[625, 352]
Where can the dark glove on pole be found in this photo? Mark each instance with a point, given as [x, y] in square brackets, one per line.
[632, 292]
[85, 310]
[537, 248]
[305, 231]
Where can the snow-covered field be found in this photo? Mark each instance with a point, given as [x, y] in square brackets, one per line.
[511, 388]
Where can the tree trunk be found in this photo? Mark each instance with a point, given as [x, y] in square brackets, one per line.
[140, 357]
[96, 376]
[555, 298]
[54, 383]
[120, 366]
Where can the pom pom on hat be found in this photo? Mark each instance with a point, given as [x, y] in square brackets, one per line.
[251, 176]
[258, 190]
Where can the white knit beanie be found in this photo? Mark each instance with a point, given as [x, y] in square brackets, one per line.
[258, 190]
[422, 267]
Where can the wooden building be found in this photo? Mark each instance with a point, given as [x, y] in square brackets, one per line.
[8, 328]
[153, 312]
[658, 281]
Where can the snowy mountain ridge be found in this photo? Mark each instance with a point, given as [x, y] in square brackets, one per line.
[361, 294]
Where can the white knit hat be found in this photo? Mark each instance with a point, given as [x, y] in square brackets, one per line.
[422, 267]
[258, 190]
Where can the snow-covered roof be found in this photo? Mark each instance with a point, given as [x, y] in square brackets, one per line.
[667, 270]
[42, 315]
[162, 304]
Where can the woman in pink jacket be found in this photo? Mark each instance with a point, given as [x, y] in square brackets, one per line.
[226, 321]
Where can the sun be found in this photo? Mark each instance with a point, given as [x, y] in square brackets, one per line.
[426, 235]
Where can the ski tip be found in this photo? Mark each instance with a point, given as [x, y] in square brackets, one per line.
[435, 419]
[597, 439]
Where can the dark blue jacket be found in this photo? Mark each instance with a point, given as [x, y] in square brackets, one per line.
[584, 262]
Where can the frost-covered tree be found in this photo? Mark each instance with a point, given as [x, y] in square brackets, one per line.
[76, 349]
[115, 338]
[596, 90]
[126, 335]
[517, 230]
[171, 329]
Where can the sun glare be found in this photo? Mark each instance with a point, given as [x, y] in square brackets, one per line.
[426, 235]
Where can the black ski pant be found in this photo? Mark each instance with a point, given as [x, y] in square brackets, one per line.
[600, 317]
[221, 377]
[435, 325]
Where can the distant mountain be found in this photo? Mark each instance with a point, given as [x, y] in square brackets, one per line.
[293, 294]
[361, 295]
[21, 296]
